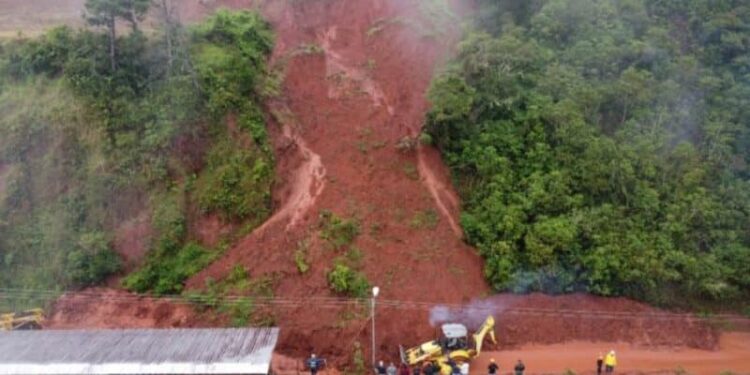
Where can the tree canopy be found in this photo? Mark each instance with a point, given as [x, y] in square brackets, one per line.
[603, 146]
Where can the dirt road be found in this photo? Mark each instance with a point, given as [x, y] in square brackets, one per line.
[580, 356]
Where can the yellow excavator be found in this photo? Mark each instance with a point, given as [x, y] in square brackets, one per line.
[453, 346]
[26, 320]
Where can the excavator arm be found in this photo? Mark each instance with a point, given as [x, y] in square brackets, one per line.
[29, 319]
[487, 327]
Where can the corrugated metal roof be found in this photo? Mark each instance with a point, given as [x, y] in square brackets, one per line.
[138, 351]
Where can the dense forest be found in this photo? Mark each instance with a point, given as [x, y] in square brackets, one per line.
[603, 146]
[111, 122]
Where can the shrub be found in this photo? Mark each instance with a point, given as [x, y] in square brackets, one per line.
[339, 232]
[167, 273]
[230, 49]
[358, 366]
[344, 280]
[300, 257]
[236, 183]
[92, 261]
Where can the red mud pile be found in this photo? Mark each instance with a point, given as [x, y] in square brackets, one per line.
[107, 308]
[344, 109]
[543, 319]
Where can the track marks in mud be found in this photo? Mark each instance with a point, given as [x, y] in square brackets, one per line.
[336, 64]
[306, 183]
[440, 189]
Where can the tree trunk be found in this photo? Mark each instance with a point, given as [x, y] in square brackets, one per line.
[112, 41]
[168, 28]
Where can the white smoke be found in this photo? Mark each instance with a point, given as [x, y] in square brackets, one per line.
[472, 315]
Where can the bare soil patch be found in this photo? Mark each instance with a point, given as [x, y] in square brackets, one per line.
[31, 17]
[103, 308]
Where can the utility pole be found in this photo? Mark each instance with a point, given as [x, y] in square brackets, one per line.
[375, 291]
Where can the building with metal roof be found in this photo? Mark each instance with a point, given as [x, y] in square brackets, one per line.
[138, 351]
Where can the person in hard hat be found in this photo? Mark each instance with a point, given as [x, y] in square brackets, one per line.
[599, 363]
[493, 367]
[610, 361]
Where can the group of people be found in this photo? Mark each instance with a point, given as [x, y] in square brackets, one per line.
[314, 363]
[609, 362]
[430, 368]
[493, 367]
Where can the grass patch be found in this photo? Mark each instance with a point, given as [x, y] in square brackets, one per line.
[338, 232]
[425, 219]
[234, 298]
[300, 256]
[348, 315]
[308, 49]
[411, 171]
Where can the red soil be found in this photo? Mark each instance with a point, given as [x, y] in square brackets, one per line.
[580, 356]
[342, 113]
[109, 308]
[543, 319]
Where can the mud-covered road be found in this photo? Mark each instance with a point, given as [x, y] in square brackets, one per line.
[732, 355]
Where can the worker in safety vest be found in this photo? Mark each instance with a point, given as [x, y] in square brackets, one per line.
[610, 361]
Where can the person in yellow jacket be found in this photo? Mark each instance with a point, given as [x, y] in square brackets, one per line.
[610, 361]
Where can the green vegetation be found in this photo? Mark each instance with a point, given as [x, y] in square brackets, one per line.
[300, 256]
[427, 219]
[358, 366]
[98, 127]
[230, 183]
[603, 146]
[308, 49]
[234, 297]
[343, 279]
[339, 232]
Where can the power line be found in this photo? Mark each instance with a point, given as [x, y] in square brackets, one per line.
[454, 310]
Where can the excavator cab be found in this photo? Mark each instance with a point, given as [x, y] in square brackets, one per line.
[455, 337]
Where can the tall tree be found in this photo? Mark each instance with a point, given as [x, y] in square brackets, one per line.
[106, 12]
[169, 19]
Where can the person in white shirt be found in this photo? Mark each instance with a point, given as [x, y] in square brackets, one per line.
[465, 368]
